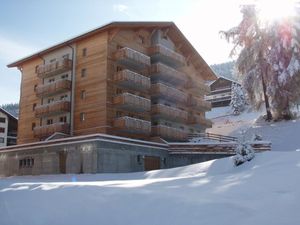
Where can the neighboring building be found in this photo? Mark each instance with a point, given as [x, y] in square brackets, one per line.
[220, 92]
[8, 128]
[141, 80]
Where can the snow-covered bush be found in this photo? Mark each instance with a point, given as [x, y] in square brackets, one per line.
[238, 100]
[244, 152]
[257, 137]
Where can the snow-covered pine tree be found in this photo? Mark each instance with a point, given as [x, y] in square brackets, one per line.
[268, 59]
[238, 100]
[243, 152]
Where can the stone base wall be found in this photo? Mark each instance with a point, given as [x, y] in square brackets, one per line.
[84, 157]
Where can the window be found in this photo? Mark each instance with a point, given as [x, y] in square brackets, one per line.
[2, 129]
[36, 68]
[141, 39]
[84, 52]
[63, 97]
[66, 56]
[51, 80]
[33, 106]
[27, 162]
[82, 117]
[83, 72]
[65, 76]
[118, 69]
[50, 100]
[52, 60]
[118, 91]
[2, 120]
[119, 114]
[35, 87]
[83, 94]
[49, 121]
[32, 126]
[139, 159]
[1, 140]
[63, 119]
[164, 36]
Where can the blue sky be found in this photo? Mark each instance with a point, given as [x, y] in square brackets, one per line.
[28, 26]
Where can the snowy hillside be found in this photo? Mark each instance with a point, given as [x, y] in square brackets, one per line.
[263, 191]
[284, 135]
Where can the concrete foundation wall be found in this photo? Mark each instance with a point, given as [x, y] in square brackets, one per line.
[176, 160]
[85, 157]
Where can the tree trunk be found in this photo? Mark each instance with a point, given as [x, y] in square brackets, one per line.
[269, 114]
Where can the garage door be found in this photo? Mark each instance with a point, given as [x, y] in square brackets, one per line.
[151, 163]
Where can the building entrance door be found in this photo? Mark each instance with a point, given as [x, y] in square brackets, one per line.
[62, 162]
[151, 163]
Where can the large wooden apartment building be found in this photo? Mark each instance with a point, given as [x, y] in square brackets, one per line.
[135, 79]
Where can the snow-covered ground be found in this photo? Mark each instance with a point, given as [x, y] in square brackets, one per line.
[263, 191]
[284, 135]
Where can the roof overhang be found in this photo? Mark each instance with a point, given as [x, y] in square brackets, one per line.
[187, 48]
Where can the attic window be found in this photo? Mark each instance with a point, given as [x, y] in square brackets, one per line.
[141, 39]
[84, 52]
[164, 36]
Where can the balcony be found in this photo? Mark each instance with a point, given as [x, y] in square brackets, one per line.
[226, 96]
[132, 125]
[53, 88]
[52, 109]
[161, 72]
[160, 53]
[197, 87]
[47, 130]
[130, 102]
[165, 92]
[160, 111]
[131, 58]
[169, 133]
[198, 104]
[132, 80]
[54, 68]
[199, 121]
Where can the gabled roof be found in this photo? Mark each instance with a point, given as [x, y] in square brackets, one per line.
[8, 114]
[186, 48]
[225, 78]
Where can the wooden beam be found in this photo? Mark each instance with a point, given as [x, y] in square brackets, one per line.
[113, 33]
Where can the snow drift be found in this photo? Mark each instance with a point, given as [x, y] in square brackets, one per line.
[262, 191]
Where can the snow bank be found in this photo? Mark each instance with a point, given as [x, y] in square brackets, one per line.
[262, 191]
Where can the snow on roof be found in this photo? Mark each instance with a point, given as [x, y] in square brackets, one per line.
[225, 78]
[8, 114]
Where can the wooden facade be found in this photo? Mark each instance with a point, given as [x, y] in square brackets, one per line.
[220, 94]
[135, 79]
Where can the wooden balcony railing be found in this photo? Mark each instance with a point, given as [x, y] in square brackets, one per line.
[199, 104]
[132, 102]
[169, 133]
[57, 67]
[168, 113]
[47, 130]
[160, 53]
[53, 88]
[131, 58]
[132, 80]
[197, 87]
[163, 91]
[161, 72]
[132, 125]
[199, 121]
[52, 108]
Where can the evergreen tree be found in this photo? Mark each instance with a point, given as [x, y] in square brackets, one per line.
[268, 59]
[238, 100]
